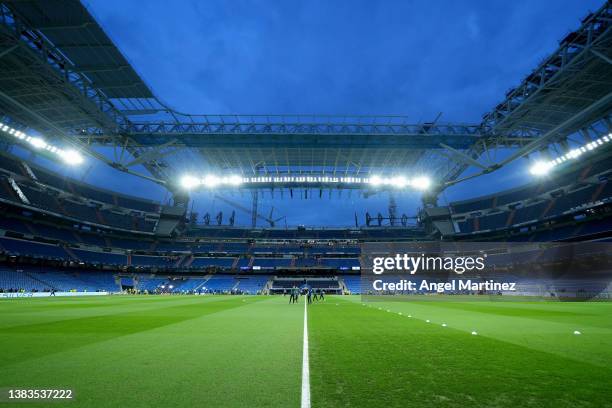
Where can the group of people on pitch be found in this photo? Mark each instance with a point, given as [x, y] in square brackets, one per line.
[311, 294]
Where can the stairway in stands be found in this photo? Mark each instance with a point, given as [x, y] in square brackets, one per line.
[180, 261]
[268, 285]
[235, 287]
[343, 287]
[70, 253]
[188, 261]
[204, 280]
[29, 275]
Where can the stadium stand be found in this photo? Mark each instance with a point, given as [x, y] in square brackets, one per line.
[100, 258]
[272, 262]
[220, 284]
[78, 201]
[281, 284]
[252, 284]
[47, 279]
[15, 280]
[352, 283]
[150, 283]
[153, 261]
[34, 249]
[61, 219]
[207, 262]
[581, 189]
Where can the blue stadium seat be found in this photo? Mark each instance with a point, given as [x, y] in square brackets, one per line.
[33, 249]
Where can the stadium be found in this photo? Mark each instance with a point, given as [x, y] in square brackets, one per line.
[151, 257]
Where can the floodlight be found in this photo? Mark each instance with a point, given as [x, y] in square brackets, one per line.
[399, 181]
[211, 181]
[71, 157]
[421, 183]
[38, 142]
[189, 182]
[540, 168]
[235, 180]
[376, 180]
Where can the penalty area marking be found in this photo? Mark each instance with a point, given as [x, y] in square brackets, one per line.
[305, 363]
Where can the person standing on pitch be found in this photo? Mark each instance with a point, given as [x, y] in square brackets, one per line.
[309, 295]
[295, 293]
[322, 294]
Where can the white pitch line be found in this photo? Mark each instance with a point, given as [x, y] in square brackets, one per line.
[305, 363]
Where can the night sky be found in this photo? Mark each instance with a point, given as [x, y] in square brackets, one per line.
[415, 58]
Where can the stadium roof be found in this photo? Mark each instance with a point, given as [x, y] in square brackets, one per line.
[61, 75]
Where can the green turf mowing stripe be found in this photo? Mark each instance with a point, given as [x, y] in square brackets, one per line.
[544, 326]
[64, 334]
[35, 310]
[365, 357]
[233, 351]
[244, 353]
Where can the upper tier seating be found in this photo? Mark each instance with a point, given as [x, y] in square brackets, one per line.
[153, 261]
[228, 247]
[90, 192]
[11, 224]
[553, 206]
[48, 199]
[218, 262]
[271, 262]
[77, 210]
[130, 244]
[33, 249]
[529, 191]
[340, 263]
[102, 258]
[179, 246]
[306, 262]
[48, 231]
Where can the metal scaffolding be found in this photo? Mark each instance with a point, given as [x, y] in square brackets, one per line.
[61, 75]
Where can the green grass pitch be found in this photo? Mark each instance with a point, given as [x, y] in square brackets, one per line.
[235, 351]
